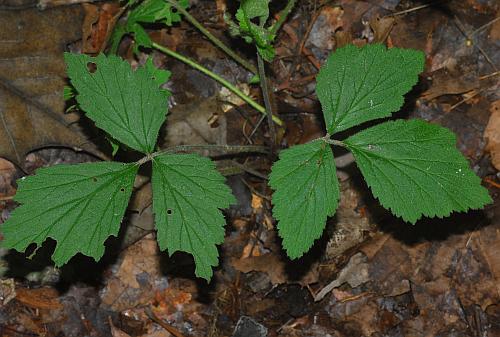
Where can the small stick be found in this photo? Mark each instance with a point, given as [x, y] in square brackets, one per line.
[163, 324]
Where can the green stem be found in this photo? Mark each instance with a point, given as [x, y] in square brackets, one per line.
[282, 16]
[247, 65]
[265, 94]
[219, 149]
[328, 140]
[216, 77]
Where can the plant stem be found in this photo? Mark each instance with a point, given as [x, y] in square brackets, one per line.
[267, 103]
[216, 77]
[247, 65]
[282, 16]
[328, 140]
[225, 149]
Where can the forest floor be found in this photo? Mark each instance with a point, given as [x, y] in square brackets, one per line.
[370, 274]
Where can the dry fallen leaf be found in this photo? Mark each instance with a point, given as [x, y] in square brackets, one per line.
[41, 298]
[492, 134]
[32, 80]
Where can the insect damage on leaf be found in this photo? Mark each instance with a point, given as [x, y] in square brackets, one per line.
[127, 104]
[187, 195]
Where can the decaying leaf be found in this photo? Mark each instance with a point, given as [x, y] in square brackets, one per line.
[492, 134]
[32, 80]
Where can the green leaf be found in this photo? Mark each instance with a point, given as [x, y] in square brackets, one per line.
[187, 195]
[68, 93]
[151, 11]
[414, 169]
[251, 32]
[127, 104]
[306, 193]
[141, 37]
[357, 85]
[79, 206]
[159, 76]
[256, 9]
[116, 37]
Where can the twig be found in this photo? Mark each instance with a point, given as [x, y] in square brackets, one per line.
[9, 197]
[328, 140]
[247, 65]
[163, 324]
[465, 100]
[496, 73]
[216, 77]
[406, 11]
[267, 103]
[282, 17]
[486, 25]
[468, 36]
[491, 182]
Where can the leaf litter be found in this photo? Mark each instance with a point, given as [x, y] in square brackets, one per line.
[437, 278]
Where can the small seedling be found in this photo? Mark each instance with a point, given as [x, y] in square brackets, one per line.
[412, 167]
[80, 206]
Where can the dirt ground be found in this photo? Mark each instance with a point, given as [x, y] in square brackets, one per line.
[370, 274]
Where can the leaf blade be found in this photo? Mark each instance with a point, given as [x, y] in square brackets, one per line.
[127, 104]
[90, 197]
[306, 193]
[357, 85]
[415, 170]
[187, 195]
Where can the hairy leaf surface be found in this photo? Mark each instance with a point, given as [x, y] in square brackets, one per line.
[149, 11]
[414, 169]
[249, 11]
[79, 206]
[127, 104]
[306, 193]
[188, 194]
[357, 85]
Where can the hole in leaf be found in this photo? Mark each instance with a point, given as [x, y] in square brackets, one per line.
[94, 179]
[169, 211]
[91, 67]
[122, 189]
[174, 10]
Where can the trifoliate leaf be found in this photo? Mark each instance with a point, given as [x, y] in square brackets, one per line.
[357, 85]
[187, 195]
[79, 206]
[306, 193]
[127, 104]
[414, 169]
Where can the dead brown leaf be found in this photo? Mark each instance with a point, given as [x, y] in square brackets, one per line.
[381, 28]
[98, 25]
[41, 298]
[492, 134]
[32, 79]
[445, 82]
[274, 267]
